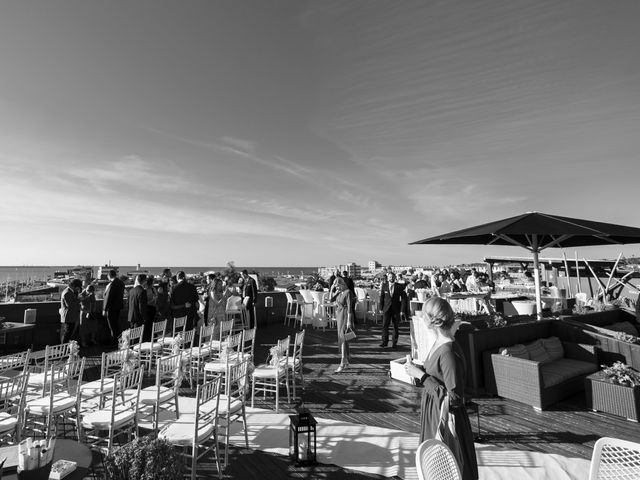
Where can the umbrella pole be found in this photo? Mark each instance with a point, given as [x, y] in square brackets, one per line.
[536, 277]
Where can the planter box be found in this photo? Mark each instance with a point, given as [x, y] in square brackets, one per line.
[608, 397]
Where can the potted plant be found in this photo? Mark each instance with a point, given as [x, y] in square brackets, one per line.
[616, 390]
[621, 374]
[145, 458]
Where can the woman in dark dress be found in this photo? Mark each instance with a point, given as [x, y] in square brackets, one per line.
[342, 297]
[443, 376]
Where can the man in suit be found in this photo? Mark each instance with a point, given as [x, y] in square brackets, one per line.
[249, 296]
[112, 303]
[393, 302]
[70, 311]
[184, 300]
[138, 302]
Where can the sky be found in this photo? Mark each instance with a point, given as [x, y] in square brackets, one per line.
[291, 133]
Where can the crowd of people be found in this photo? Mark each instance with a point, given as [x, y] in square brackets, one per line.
[150, 300]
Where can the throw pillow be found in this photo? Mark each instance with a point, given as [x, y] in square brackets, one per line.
[517, 350]
[554, 348]
[537, 352]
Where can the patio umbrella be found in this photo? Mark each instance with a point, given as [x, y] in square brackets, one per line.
[536, 231]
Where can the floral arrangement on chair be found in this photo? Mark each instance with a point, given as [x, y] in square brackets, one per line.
[123, 340]
[176, 343]
[74, 348]
[621, 374]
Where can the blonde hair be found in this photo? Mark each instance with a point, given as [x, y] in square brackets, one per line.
[438, 313]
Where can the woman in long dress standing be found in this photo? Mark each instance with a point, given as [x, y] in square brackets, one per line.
[217, 303]
[343, 298]
[444, 376]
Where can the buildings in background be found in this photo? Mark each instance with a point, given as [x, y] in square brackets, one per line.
[374, 267]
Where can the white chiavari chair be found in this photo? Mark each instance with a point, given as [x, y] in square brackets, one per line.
[294, 362]
[61, 399]
[198, 432]
[268, 377]
[151, 350]
[12, 398]
[232, 403]
[118, 416]
[14, 364]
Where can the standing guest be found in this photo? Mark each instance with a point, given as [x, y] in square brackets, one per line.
[88, 320]
[138, 302]
[163, 308]
[112, 304]
[184, 300]
[456, 283]
[152, 295]
[445, 285]
[217, 303]
[332, 278]
[249, 296]
[352, 288]
[444, 376]
[70, 311]
[341, 296]
[472, 281]
[207, 294]
[393, 303]
[166, 275]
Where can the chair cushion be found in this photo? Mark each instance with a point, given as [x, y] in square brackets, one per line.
[92, 389]
[7, 422]
[537, 352]
[268, 371]
[146, 347]
[195, 351]
[101, 419]
[235, 404]
[554, 348]
[149, 395]
[61, 402]
[564, 369]
[180, 432]
[517, 350]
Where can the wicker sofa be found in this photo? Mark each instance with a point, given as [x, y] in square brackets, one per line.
[603, 329]
[539, 380]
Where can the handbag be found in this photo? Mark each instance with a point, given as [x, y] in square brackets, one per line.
[349, 335]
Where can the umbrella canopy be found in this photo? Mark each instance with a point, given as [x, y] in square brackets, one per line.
[536, 231]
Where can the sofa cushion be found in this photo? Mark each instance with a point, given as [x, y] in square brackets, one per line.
[518, 350]
[564, 369]
[554, 348]
[537, 352]
[625, 327]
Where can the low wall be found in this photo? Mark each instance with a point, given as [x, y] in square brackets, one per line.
[47, 330]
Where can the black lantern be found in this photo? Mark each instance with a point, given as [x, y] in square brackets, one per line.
[302, 438]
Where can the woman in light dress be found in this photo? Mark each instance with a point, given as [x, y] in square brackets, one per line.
[343, 298]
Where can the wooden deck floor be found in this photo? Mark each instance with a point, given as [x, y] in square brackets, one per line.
[365, 394]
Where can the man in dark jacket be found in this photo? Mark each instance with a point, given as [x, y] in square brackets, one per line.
[70, 311]
[184, 300]
[249, 295]
[393, 301]
[113, 303]
[138, 302]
